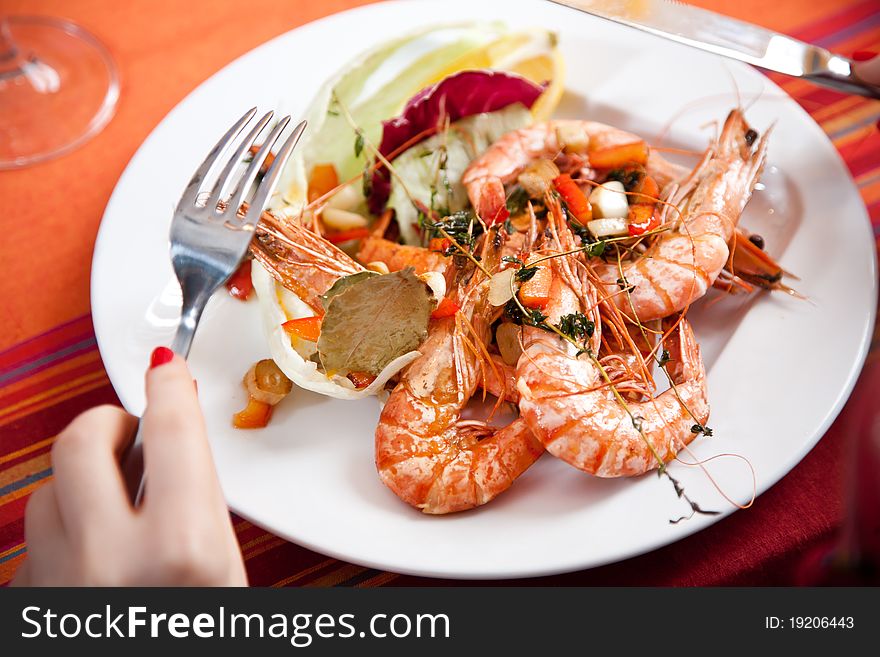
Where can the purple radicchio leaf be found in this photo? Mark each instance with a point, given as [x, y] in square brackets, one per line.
[455, 97]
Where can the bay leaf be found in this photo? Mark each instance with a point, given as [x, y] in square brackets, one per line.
[343, 284]
[373, 321]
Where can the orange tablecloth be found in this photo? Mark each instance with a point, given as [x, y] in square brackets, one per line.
[50, 369]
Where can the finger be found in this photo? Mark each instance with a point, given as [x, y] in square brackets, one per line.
[44, 535]
[22, 575]
[869, 71]
[179, 467]
[85, 460]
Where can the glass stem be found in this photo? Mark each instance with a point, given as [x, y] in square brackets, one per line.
[10, 57]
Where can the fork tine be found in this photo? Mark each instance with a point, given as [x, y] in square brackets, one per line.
[215, 198]
[244, 182]
[190, 194]
[267, 185]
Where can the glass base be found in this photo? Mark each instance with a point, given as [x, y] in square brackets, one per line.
[58, 88]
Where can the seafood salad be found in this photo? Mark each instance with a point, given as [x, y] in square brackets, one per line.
[441, 238]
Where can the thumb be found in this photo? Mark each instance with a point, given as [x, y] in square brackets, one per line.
[869, 70]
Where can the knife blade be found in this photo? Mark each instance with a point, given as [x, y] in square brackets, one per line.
[731, 38]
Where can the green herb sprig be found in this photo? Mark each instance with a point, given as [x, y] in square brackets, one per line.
[577, 327]
[462, 227]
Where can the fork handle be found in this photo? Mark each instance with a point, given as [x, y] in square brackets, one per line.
[132, 463]
[132, 466]
[186, 328]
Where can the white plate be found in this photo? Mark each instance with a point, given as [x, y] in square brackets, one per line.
[779, 369]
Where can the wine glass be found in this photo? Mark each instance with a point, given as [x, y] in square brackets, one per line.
[58, 88]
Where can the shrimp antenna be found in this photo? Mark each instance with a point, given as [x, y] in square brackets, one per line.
[733, 83]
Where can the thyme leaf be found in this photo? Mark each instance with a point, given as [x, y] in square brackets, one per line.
[359, 144]
[460, 226]
[595, 249]
[576, 326]
[524, 316]
[577, 329]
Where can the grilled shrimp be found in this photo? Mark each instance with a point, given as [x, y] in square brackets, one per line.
[299, 259]
[486, 176]
[565, 401]
[684, 262]
[425, 452]
[500, 380]
[565, 395]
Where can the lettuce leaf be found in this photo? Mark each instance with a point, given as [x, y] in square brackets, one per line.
[455, 97]
[432, 169]
[374, 86]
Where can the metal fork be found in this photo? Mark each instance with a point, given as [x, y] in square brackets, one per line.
[210, 236]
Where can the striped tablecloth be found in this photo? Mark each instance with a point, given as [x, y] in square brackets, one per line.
[50, 369]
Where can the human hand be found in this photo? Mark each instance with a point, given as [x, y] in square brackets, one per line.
[867, 67]
[81, 529]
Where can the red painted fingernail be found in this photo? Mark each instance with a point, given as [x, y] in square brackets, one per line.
[863, 55]
[160, 356]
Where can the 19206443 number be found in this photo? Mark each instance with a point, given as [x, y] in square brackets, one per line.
[820, 622]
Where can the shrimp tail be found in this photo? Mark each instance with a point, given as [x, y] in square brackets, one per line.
[476, 476]
[299, 259]
[489, 200]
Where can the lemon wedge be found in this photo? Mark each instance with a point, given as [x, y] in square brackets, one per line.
[533, 54]
[537, 59]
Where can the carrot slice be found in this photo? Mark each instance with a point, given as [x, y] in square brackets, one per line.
[648, 191]
[270, 157]
[306, 328]
[577, 202]
[617, 156]
[347, 235]
[535, 292]
[322, 179]
[254, 416]
[361, 379]
[446, 308]
[439, 244]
